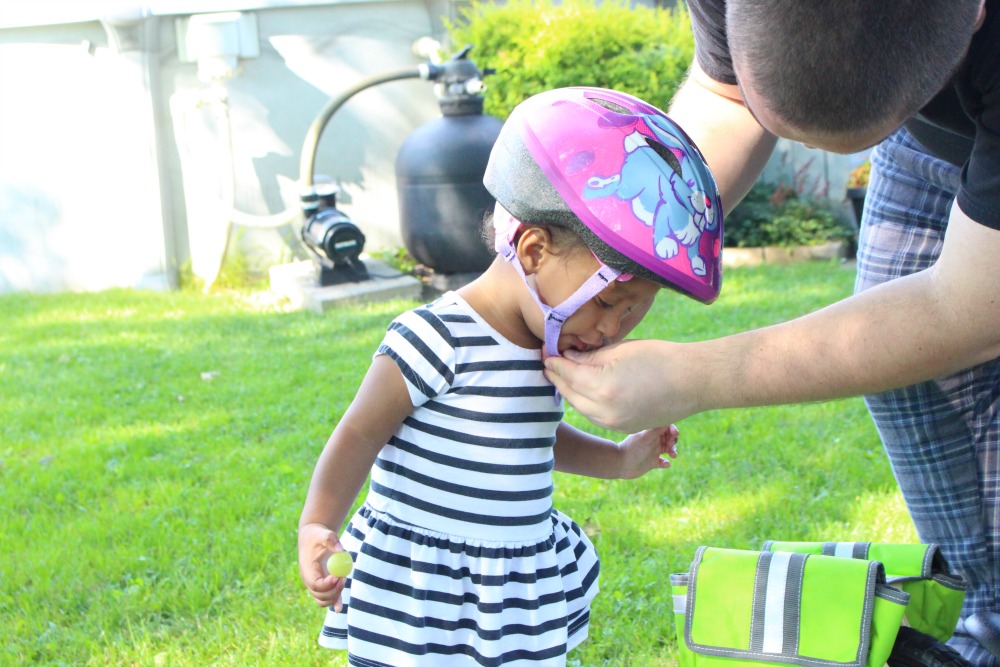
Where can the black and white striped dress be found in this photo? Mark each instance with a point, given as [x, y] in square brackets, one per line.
[460, 558]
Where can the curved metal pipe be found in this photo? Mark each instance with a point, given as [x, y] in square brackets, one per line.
[311, 143]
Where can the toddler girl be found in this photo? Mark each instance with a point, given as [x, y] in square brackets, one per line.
[460, 558]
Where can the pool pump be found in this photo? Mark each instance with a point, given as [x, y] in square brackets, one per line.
[453, 180]
[335, 242]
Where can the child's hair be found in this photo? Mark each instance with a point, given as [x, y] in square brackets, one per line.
[563, 237]
[622, 176]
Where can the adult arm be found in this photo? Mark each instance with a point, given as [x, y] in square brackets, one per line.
[914, 328]
[735, 146]
[381, 404]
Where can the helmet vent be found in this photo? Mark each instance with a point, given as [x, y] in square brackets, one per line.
[611, 106]
[667, 155]
[661, 150]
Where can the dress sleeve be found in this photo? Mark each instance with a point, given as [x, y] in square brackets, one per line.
[711, 45]
[422, 347]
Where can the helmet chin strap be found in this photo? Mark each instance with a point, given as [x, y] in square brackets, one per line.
[505, 225]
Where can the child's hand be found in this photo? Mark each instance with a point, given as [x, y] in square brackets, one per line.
[316, 543]
[643, 451]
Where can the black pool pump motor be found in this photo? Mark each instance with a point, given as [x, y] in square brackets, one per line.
[335, 241]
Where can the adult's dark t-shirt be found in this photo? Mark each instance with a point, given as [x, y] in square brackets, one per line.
[961, 124]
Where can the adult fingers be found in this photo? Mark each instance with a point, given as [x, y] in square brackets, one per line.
[579, 381]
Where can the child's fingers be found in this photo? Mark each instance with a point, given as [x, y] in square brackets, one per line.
[327, 593]
[321, 581]
[317, 568]
[337, 603]
[318, 573]
[323, 584]
[668, 442]
[311, 546]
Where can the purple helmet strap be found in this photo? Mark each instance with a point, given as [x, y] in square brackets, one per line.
[506, 227]
[555, 317]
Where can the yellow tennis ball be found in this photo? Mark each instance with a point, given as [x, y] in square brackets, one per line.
[339, 564]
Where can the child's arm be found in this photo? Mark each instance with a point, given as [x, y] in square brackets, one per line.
[379, 407]
[581, 453]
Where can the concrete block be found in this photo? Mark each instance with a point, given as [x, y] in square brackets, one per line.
[299, 283]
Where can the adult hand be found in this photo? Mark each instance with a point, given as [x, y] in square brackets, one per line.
[316, 543]
[626, 387]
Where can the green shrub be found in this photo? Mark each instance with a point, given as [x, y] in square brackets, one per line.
[399, 259]
[774, 215]
[535, 46]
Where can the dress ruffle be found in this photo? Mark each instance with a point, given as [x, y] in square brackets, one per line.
[421, 598]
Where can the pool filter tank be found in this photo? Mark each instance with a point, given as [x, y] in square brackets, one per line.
[439, 171]
[439, 174]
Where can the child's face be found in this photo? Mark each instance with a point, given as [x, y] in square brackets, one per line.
[605, 319]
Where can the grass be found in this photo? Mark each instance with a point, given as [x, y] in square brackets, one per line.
[155, 450]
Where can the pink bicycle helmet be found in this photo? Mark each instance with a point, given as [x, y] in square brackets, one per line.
[620, 173]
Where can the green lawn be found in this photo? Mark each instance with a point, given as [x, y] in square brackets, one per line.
[156, 450]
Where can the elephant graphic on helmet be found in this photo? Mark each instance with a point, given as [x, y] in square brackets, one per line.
[660, 197]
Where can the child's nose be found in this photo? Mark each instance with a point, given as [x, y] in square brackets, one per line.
[609, 325]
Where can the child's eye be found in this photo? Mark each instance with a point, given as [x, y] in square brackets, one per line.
[602, 303]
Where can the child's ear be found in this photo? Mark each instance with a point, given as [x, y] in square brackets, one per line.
[533, 245]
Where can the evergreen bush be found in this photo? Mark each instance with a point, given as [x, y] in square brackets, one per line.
[535, 46]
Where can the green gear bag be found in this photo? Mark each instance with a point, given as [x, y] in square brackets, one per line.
[757, 608]
[936, 595]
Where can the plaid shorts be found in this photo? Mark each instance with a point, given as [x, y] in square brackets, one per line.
[943, 436]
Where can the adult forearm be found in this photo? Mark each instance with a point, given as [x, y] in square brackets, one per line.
[900, 333]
